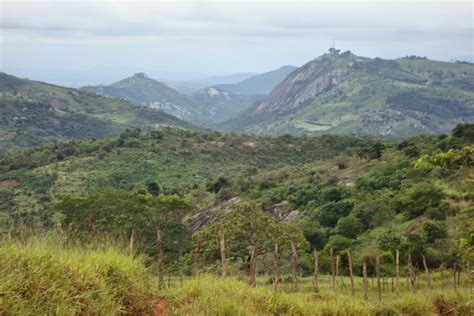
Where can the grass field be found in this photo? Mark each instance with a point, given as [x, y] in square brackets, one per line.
[210, 295]
[54, 275]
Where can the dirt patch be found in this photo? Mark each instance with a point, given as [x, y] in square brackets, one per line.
[161, 308]
[9, 184]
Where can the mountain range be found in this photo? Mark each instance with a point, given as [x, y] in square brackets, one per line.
[345, 93]
[208, 105]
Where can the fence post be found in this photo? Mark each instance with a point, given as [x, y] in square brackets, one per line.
[159, 247]
[377, 271]
[222, 245]
[412, 274]
[441, 275]
[454, 273]
[132, 240]
[253, 266]
[294, 256]
[428, 277]
[333, 270]
[397, 280]
[349, 257]
[366, 281]
[316, 271]
[276, 267]
[338, 262]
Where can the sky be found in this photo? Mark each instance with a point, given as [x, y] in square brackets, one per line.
[74, 43]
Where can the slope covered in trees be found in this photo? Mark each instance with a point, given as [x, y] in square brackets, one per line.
[34, 113]
[339, 192]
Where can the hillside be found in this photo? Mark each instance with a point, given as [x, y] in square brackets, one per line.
[34, 113]
[345, 93]
[222, 104]
[260, 84]
[144, 91]
[339, 190]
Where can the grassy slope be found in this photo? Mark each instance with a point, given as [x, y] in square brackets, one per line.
[51, 275]
[34, 113]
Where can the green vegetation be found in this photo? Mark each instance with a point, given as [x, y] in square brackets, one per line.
[34, 113]
[48, 274]
[217, 296]
[317, 193]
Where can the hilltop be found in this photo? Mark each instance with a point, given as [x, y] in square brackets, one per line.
[345, 93]
[145, 91]
[35, 113]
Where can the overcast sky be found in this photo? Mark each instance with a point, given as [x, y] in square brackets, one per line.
[80, 42]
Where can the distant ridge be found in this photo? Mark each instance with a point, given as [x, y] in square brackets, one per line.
[259, 84]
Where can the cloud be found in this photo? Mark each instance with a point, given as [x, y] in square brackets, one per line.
[217, 37]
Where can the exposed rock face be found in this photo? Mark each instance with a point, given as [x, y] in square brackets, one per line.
[302, 85]
[209, 216]
[280, 211]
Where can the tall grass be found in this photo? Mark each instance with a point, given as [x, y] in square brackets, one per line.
[210, 295]
[49, 275]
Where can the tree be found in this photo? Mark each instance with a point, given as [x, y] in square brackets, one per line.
[115, 212]
[349, 227]
[435, 230]
[418, 198]
[332, 211]
[245, 226]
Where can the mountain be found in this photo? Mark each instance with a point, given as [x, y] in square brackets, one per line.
[34, 113]
[142, 90]
[258, 84]
[344, 93]
[223, 104]
[193, 86]
[204, 106]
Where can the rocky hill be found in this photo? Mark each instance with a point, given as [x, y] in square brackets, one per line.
[344, 93]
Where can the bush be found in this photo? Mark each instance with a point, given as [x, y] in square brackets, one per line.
[417, 199]
[331, 212]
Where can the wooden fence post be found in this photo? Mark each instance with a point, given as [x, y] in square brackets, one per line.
[366, 281]
[132, 240]
[253, 266]
[412, 274]
[294, 260]
[377, 271]
[427, 271]
[454, 273]
[316, 271]
[333, 270]
[159, 248]
[349, 257]
[338, 262]
[276, 267]
[397, 267]
[441, 275]
[222, 245]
